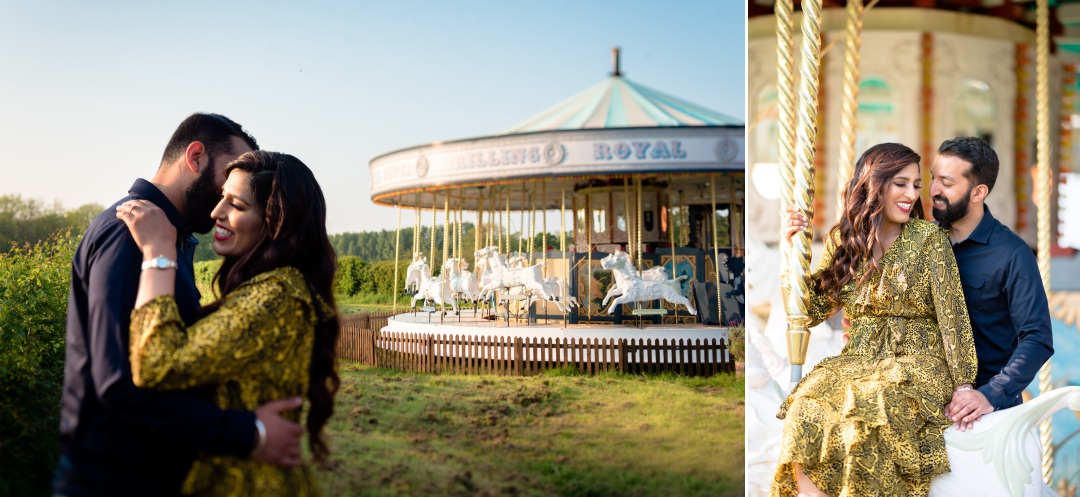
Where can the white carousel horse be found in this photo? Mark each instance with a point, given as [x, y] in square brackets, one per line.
[499, 275]
[1000, 456]
[553, 284]
[657, 273]
[635, 289]
[437, 289]
[417, 271]
[462, 281]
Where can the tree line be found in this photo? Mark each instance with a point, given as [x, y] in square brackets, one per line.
[375, 246]
[25, 222]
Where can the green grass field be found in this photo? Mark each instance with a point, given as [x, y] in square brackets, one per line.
[398, 433]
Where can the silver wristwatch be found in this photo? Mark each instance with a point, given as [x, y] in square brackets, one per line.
[160, 262]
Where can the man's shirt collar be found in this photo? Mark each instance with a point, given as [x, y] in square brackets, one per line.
[147, 191]
[981, 233]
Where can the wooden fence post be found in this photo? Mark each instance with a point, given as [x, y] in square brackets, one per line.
[518, 358]
[622, 356]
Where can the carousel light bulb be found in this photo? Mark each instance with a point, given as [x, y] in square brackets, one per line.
[766, 179]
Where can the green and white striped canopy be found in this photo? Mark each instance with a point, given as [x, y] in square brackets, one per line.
[620, 103]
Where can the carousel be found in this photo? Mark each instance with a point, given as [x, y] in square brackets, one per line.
[615, 213]
[828, 81]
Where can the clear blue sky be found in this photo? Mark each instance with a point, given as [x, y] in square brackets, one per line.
[91, 91]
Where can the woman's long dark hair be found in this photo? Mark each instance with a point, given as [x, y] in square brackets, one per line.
[864, 208]
[294, 234]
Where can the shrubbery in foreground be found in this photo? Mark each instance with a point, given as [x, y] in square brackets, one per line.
[34, 285]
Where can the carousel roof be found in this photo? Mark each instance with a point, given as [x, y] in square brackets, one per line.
[618, 102]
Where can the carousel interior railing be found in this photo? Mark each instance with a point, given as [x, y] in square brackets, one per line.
[362, 342]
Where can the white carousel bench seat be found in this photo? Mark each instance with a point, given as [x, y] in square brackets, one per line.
[641, 313]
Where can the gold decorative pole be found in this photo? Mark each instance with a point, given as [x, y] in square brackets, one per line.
[479, 229]
[626, 217]
[637, 225]
[460, 230]
[562, 247]
[1042, 196]
[506, 228]
[671, 236]
[803, 188]
[716, 246]
[447, 229]
[532, 225]
[543, 200]
[416, 227]
[521, 225]
[397, 254]
[434, 223]
[785, 116]
[588, 250]
[850, 104]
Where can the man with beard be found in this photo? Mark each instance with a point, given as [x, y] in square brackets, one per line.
[1002, 285]
[118, 440]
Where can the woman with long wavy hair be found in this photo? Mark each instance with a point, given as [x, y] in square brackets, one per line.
[870, 421]
[272, 334]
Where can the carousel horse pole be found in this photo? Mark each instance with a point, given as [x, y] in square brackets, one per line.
[716, 245]
[803, 188]
[397, 254]
[1042, 195]
[588, 250]
[785, 111]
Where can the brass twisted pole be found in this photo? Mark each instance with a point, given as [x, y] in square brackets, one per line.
[588, 253]
[562, 247]
[397, 254]
[509, 246]
[785, 115]
[803, 188]
[416, 227]
[638, 247]
[850, 104]
[716, 245]
[543, 199]
[1042, 196]
[434, 223]
[447, 232]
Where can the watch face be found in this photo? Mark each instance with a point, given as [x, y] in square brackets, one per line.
[162, 263]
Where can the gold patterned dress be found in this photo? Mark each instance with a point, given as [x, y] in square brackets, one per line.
[869, 421]
[253, 349]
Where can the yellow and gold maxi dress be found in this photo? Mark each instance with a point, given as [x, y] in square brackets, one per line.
[255, 348]
[869, 421]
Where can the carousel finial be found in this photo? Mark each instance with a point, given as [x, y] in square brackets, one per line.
[615, 61]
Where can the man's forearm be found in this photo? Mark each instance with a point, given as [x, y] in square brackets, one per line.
[1004, 388]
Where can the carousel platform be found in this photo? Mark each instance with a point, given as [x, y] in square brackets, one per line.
[469, 325]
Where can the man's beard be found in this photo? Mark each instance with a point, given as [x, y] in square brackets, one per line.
[952, 212]
[200, 199]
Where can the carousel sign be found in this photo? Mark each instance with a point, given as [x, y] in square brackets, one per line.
[557, 154]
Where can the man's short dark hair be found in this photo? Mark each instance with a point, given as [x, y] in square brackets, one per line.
[214, 131]
[983, 159]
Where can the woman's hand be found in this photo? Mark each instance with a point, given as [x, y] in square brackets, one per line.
[150, 228]
[796, 222]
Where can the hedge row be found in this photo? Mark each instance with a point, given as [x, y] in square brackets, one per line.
[34, 285]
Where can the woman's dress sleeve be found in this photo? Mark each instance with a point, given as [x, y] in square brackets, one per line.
[951, 310]
[251, 322]
[820, 305]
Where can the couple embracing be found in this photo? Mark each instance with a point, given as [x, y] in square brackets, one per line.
[161, 396]
[948, 322]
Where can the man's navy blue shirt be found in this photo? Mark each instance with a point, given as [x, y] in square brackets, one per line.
[1009, 313]
[118, 439]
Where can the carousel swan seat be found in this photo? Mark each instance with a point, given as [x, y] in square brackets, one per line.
[1006, 444]
[1000, 456]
